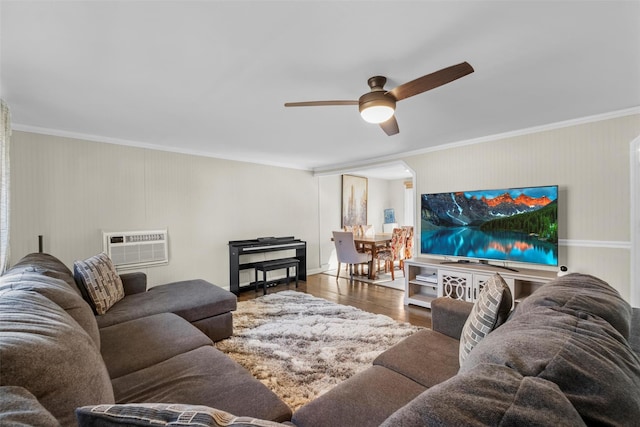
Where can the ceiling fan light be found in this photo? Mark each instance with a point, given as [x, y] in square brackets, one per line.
[376, 106]
[377, 113]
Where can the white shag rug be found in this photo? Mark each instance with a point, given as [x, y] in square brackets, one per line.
[301, 346]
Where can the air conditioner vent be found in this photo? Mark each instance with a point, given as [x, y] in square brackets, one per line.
[133, 249]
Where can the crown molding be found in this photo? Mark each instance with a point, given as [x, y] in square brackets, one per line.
[144, 145]
[338, 167]
[483, 139]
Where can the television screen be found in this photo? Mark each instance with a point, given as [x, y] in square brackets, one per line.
[510, 225]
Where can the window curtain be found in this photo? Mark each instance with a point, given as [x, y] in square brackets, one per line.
[5, 134]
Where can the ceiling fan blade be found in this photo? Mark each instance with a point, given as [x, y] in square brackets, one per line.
[390, 127]
[431, 81]
[319, 103]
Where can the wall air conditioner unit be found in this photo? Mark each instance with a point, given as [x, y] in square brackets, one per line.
[133, 249]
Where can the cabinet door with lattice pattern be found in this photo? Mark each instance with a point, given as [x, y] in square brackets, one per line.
[455, 284]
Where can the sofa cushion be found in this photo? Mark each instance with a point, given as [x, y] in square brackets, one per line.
[140, 343]
[489, 395]
[489, 311]
[46, 265]
[217, 327]
[58, 291]
[192, 300]
[587, 357]
[18, 407]
[158, 414]
[45, 351]
[99, 278]
[576, 293]
[449, 315]
[204, 376]
[364, 400]
[409, 355]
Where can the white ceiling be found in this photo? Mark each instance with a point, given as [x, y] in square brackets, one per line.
[211, 77]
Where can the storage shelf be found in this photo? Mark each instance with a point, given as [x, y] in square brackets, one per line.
[423, 300]
[423, 283]
[424, 296]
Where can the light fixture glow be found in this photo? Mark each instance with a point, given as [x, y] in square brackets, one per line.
[377, 113]
[377, 106]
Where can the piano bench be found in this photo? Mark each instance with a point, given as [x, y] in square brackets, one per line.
[276, 264]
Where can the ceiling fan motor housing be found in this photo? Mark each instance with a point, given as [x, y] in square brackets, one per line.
[377, 106]
[378, 97]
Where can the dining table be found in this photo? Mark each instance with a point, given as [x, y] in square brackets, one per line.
[373, 244]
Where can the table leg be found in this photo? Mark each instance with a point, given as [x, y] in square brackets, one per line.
[373, 271]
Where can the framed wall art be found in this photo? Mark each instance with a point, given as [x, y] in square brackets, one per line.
[354, 200]
[389, 216]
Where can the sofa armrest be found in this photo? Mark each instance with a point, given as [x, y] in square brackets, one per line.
[634, 333]
[134, 283]
[448, 316]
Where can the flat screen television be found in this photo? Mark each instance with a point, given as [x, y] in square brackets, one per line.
[513, 225]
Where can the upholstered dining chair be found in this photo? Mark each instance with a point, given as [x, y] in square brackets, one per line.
[347, 253]
[408, 246]
[395, 252]
[357, 232]
[368, 230]
[363, 230]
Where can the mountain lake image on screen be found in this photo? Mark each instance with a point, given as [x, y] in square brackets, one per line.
[511, 225]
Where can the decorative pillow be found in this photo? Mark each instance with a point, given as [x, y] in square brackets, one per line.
[98, 276]
[490, 310]
[163, 414]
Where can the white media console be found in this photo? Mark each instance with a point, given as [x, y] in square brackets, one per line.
[428, 278]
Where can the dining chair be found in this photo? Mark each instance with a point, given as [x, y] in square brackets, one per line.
[347, 253]
[408, 246]
[368, 230]
[360, 231]
[357, 230]
[395, 252]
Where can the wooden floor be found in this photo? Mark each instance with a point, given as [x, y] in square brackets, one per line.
[368, 297]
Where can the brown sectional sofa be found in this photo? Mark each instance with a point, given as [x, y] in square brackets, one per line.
[567, 355]
[56, 355]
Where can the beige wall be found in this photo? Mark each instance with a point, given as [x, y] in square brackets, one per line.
[384, 194]
[69, 190]
[590, 163]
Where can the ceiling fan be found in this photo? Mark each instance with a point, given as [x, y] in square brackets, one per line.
[378, 106]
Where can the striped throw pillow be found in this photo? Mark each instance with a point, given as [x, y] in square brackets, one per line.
[490, 310]
[163, 414]
[98, 276]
